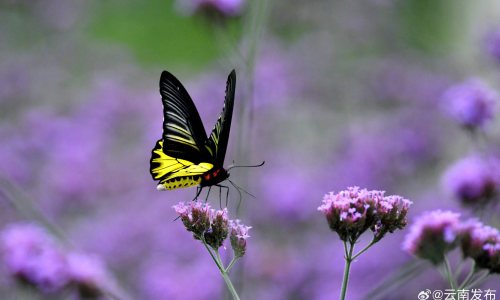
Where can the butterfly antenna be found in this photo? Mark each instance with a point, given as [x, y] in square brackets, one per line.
[237, 188]
[233, 166]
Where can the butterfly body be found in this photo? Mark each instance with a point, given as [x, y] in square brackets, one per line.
[213, 177]
[185, 157]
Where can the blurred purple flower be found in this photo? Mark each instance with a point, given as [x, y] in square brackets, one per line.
[481, 243]
[432, 235]
[31, 255]
[492, 43]
[276, 80]
[471, 103]
[473, 180]
[88, 273]
[209, 7]
[400, 81]
[372, 155]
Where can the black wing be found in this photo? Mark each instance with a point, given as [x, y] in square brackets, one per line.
[184, 136]
[217, 142]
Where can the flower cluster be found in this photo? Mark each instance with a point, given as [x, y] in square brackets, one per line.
[204, 222]
[239, 235]
[32, 256]
[432, 235]
[473, 180]
[471, 103]
[437, 232]
[482, 244]
[353, 211]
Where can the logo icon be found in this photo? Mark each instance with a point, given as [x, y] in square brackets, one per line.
[424, 295]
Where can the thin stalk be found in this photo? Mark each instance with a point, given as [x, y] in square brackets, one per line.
[459, 268]
[231, 264]
[28, 209]
[373, 242]
[230, 286]
[221, 268]
[478, 281]
[469, 277]
[348, 261]
[449, 273]
[397, 279]
[223, 271]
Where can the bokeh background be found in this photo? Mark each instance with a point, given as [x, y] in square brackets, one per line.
[330, 94]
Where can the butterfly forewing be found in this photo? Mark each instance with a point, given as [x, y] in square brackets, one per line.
[218, 139]
[183, 133]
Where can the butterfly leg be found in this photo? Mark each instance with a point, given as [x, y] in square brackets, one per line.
[220, 191]
[209, 188]
[198, 192]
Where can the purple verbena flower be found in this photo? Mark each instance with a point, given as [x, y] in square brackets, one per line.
[471, 103]
[219, 229]
[432, 235]
[195, 216]
[353, 211]
[473, 180]
[481, 243]
[391, 213]
[239, 235]
[32, 256]
[204, 222]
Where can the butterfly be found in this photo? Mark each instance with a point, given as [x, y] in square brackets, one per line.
[184, 156]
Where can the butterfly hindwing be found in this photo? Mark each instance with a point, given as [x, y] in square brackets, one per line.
[175, 172]
[184, 136]
[218, 139]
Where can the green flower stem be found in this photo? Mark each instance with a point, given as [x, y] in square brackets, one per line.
[449, 273]
[373, 242]
[459, 268]
[223, 271]
[231, 263]
[348, 260]
[469, 277]
[219, 265]
[230, 286]
[478, 281]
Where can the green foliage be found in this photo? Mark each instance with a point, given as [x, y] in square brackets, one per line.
[154, 31]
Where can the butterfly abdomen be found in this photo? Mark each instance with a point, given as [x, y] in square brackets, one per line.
[181, 182]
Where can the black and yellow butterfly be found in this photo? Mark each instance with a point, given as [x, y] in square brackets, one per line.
[185, 157]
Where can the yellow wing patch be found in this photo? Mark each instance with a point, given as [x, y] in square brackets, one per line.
[174, 172]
